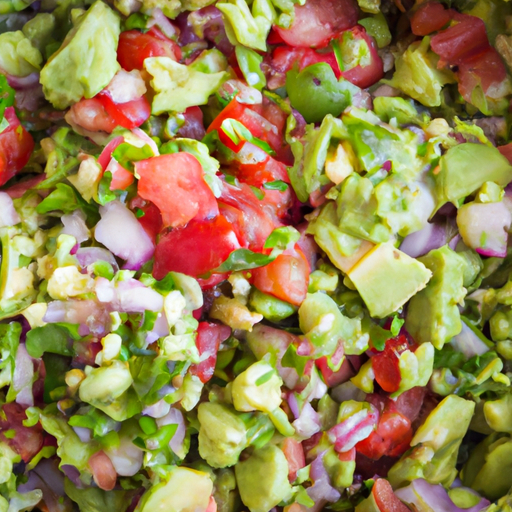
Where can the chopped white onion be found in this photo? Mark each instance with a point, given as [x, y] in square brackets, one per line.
[8, 215]
[74, 225]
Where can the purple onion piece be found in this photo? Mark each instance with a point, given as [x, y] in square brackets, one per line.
[432, 236]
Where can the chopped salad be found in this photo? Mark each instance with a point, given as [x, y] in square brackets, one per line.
[255, 255]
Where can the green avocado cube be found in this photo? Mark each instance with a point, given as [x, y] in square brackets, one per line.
[387, 278]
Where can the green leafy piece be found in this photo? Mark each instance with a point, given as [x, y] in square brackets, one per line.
[282, 238]
[377, 26]
[249, 62]
[150, 375]
[244, 259]
[417, 75]
[99, 423]
[54, 338]
[245, 26]
[276, 185]
[404, 111]
[293, 360]
[137, 20]
[238, 133]
[6, 95]
[178, 86]
[92, 499]
[56, 367]
[433, 313]
[126, 154]
[18, 57]
[318, 81]
[87, 60]
[9, 341]
[64, 198]
[465, 168]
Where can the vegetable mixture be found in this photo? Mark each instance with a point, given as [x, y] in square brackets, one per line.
[255, 255]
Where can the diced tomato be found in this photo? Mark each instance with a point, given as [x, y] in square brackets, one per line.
[121, 178]
[385, 363]
[91, 115]
[506, 151]
[175, 183]
[430, 17]
[294, 454]
[103, 471]
[212, 505]
[27, 441]
[286, 278]
[486, 69]
[18, 189]
[16, 146]
[392, 437]
[332, 378]
[202, 247]
[151, 221]
[253, 219]
[316, 23]
[410, 403]
[135, 47]
[364, 76]
[385, 498]
[209, 337]
[460, 41]
[128, 115]
[211, 281]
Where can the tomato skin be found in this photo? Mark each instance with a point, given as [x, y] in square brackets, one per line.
[129, 115]
[430, 17]
[294, 453]
[135, 47]
[365, 76]
[316, 23]
[151, 221]
[175, 183]
[209, 337]
[91, 115]
[385, 498]
[506, 151]
[203, 246]
[287, 278]
[460, 41]
[392, 437]
[16, 146]
[331, 378]
[284, 58]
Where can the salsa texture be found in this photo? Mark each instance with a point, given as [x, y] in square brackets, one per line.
[255, 255]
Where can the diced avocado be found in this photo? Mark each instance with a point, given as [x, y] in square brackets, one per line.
[87, 60]
[340, 472]
[415, 367]
[376, 26]
[263, 479]
[178, 86]
[433, 315]
[270, 307]
[498, 413]
[435, 445]
[186, 490]
[257, 389]
[387, 278]
[18, 56]
[417, 74]
[489, 467]
[465, 168]
[222, 435]
[39, 29]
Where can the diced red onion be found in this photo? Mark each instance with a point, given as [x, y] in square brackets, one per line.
[208, 23]
[121, 233]
[92, 317]
[72, 473]
[8, 214]
[469, 343]
[359, 426]
[308, 423]
[175, 416]
[321, 488]
[22, 82]
[88, 255]
[126, 86]
[487, 222]
[159, 19]
[420, 494]
[23, 377]
[432, 236]
[106, 154]
[29, 98]
[74, 225]
[83, 433]
[126, 457]
[17, 190]
[158, 409]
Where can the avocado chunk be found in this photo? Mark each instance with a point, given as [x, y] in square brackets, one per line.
[87, 60]
[186, 490]
[178, 86]
[435, 445]
[489, 467]
[387, 278]
[498, 413]
[222, 435]
[433, 315]
[263, 479]
[465, 168]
